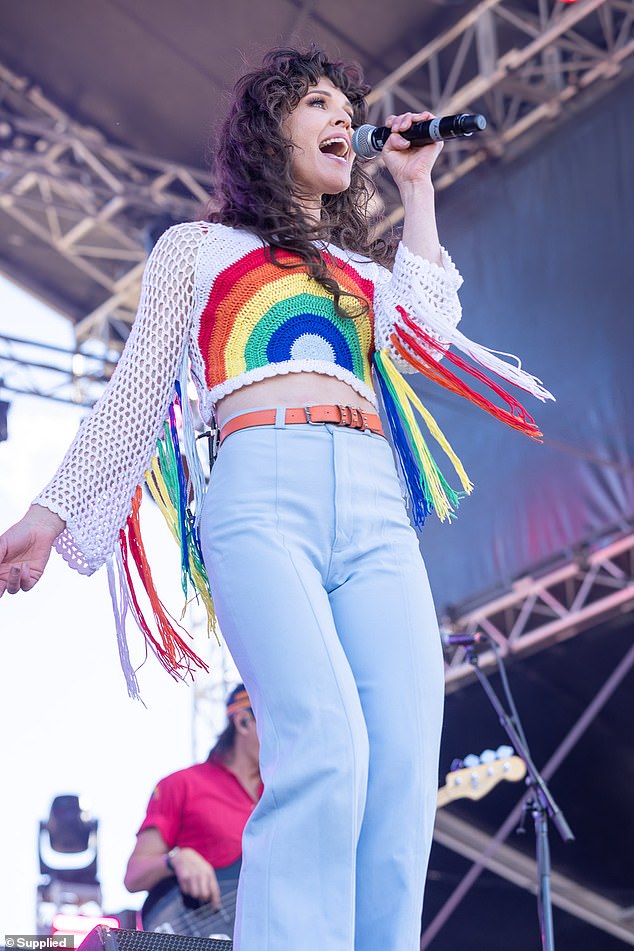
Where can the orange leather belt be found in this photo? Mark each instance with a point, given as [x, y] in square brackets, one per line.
[337, 415]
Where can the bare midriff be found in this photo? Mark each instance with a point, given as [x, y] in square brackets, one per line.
[291, 389]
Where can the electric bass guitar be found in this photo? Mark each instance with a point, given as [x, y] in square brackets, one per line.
[474, 782]
[168, 910]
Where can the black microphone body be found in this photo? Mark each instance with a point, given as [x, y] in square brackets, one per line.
[466, 640]
[368, 140]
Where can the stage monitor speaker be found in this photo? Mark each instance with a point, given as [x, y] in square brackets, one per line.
[102, 938]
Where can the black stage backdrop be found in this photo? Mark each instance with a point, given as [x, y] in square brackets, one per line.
[545, 247]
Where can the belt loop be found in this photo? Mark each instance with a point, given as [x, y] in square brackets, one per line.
[280, 417]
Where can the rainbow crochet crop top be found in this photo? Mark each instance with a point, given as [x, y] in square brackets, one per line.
[255, 319]
[263, 319]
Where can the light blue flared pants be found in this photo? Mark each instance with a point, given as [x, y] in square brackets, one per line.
[323, 599]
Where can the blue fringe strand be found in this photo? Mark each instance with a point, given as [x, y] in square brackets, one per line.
[409, 466]
[181, 502]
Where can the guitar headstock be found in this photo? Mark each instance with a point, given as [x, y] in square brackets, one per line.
[475, 781]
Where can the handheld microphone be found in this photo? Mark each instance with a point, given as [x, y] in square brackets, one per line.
[463, 640]
[368, 140]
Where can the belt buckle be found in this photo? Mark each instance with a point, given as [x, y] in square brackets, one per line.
[313, 422]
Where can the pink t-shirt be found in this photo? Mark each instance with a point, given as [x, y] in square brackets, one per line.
[203, 807]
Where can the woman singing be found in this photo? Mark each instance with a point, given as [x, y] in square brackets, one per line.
[287, 315]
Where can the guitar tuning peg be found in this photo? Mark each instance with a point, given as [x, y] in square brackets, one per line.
[503, 752]
[455, 765]
[471, 760]
[487, 756]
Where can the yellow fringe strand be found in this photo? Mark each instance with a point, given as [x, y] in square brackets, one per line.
[407, 397]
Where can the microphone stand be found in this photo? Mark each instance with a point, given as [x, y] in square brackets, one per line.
[539, 799]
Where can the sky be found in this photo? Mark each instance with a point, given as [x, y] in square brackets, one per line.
[66, 722]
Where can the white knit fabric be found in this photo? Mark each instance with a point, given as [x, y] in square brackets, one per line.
[425, 291]
[94, 485]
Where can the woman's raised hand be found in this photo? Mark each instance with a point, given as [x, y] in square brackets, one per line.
[25, 548]
[410, 167]
[408, 164]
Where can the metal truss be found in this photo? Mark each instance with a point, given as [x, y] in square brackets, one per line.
[511, 864]
[589, 588]
[90, 201]
[489, 851]
[31, 368]
[520, 63]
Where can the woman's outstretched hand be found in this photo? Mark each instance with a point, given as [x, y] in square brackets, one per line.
[25, 548]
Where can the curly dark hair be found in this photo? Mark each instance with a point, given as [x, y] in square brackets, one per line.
[254, 187]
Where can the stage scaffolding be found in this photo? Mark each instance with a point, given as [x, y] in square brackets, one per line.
[91, 202]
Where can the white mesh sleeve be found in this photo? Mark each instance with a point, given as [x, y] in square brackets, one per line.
[421, 288]
[93, 487]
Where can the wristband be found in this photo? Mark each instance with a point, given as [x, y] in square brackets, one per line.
[169, 859]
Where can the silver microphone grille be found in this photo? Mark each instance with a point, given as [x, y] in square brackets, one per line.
[362, 142]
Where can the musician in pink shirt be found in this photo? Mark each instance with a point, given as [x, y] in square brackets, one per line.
[189, 844]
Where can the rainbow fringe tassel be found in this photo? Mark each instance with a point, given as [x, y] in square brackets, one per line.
[168, 486]
[428, 489]
[418, 353]
[174, 475]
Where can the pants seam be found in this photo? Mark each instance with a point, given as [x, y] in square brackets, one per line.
[357, 820]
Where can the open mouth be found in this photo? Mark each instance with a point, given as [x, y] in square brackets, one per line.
[336, 145]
